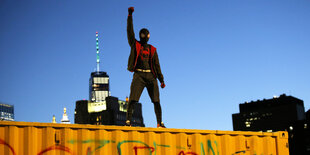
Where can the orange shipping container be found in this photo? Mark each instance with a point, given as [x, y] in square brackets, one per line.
[23, 138]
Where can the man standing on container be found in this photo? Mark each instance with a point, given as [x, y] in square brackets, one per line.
[143, 61]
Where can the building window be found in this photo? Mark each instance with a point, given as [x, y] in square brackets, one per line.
[122, 106]
[248, 124]
[101, 80]
[101, 95]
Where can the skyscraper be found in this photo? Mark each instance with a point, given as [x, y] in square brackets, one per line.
[98, 86]
[6, 112]
[98, 91]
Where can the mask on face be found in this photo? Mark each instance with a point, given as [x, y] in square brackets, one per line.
[144, 35]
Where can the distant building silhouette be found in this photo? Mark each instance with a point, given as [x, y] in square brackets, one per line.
[114, 114]
[284, 113]
[307, 132]
[6, 112]
[276, 114]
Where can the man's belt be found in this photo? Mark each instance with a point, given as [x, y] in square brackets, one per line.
[145, 71]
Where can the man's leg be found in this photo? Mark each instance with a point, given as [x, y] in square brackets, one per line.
[153, 90]
[136, 88]
[130, 112]
[157, 109]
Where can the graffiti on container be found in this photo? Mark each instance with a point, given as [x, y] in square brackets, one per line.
[143, 147]
[100, 143]
[184, 153]
[8, 145]
[239, 152]
[244, 152]
[140, 145]
[137, 147]
[151, 149]
[210, 148]
[56, 147]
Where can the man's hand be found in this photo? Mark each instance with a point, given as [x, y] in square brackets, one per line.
[131, 10]
[162, 85]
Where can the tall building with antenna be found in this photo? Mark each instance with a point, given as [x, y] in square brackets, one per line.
[97, 49]
[98, 85]
[101, 108]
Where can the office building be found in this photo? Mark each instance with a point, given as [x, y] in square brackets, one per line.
[284, 113]
[98, 86]
[6, 112]
[276, 114]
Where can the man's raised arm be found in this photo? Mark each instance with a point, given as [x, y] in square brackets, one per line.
[130, 32]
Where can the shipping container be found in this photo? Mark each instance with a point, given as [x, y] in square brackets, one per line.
[24, 138]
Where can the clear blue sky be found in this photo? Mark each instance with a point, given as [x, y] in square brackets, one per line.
[213, 54]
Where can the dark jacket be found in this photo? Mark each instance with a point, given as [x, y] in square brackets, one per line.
[135, 51]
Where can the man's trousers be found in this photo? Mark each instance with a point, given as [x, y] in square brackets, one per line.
[139, 82]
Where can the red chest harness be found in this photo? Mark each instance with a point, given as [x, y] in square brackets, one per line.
[145, 52]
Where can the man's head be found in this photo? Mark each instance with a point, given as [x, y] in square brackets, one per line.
[144, 35]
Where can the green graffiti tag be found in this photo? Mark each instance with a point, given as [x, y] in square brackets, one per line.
[202, 149]
[210, 148]
[155, 146]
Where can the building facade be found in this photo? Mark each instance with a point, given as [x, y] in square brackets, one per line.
[284, 113]
[276, 114]
[6, 112]
[98, 86]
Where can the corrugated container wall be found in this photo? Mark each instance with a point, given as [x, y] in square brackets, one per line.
[19, 138]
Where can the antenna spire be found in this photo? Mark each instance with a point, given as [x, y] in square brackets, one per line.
[97, 48]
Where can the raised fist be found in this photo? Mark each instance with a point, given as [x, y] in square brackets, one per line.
[131, 10]
[162, 85]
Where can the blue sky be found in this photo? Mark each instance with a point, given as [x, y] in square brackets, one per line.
[213, 54]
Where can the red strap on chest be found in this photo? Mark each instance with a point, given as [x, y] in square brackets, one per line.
[139, 46]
